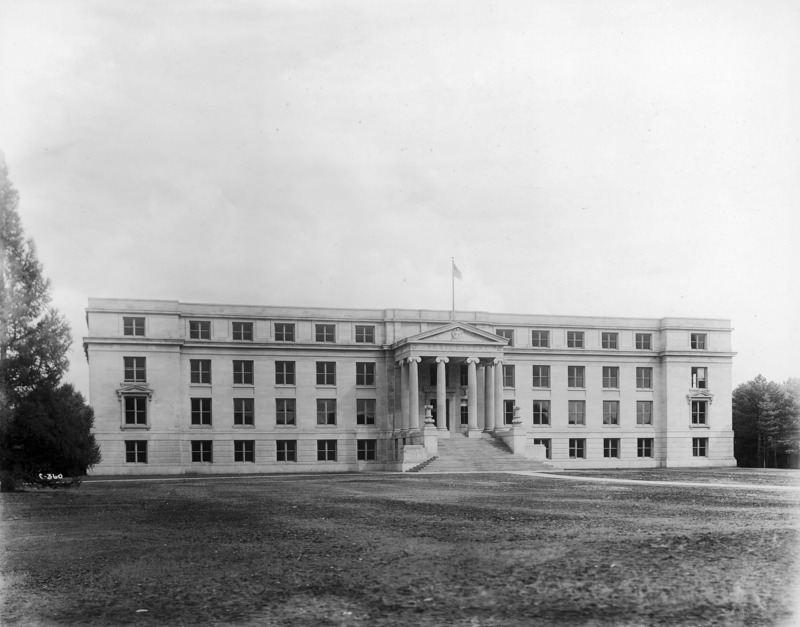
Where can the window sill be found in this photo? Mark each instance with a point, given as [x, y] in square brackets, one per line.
[650, 426]
[134, 427]
[372, 426]
[541, 426]
[605, 426]
[583, 426]
[200, 385]
[367, 386]
[235, 426]
[285, 426]
[327, 426]
[700, 427]
[244, 385]
[201, 426]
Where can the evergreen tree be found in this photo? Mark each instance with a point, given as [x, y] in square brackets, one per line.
[766, 423]
[34, 336]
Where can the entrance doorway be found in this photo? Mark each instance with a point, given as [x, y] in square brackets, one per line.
[446, 414]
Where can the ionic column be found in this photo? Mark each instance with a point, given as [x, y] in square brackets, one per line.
[498, 394]
[403, 395]
[472, 396]
[488, 399]
[441, 393]
[413, 393]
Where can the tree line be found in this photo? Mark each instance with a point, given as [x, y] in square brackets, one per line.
[766, 423]
[45, 426]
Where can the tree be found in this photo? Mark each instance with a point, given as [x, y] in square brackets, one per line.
[766, 422]
[50, 434]
[34, 336]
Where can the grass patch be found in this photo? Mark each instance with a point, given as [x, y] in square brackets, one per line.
[399, 550]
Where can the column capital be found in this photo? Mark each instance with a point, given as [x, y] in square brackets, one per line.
[442, 360]
[497, 361]
[400, 362]
[414, 360]
[473, 360]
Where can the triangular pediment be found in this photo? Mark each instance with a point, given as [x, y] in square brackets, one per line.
[456, 333]
[132, 389]
[700, 395]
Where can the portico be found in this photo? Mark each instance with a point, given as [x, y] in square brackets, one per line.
[450, 368]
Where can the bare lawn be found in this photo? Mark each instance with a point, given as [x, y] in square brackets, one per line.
[385, 549]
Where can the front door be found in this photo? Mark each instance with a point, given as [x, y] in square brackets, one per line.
[446, 414]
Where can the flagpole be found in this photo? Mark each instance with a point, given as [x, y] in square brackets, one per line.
[453, 285]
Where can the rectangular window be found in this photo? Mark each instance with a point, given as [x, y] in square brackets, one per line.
[610, 377]
[577, 448]
[243, 331]
[644, 447]
[546, 443]
[135, 369]
[199, 329]
[609, 339]
[242, 372]
[365, 373]
[644, 412]
[365, 334]
[611, 413]
[284, 332]
[541, 376]
[698, 341]
[699, 378]
[644, 378]
[540, 339]
[326, 450]
[200, 370]
[287, 450]
[644, 341]
[136, 451]
[133, 326]
[574, 339]
[201, 411]
[506, 333]
[365, 450]
[285, 411]
[699, 412]
[202, 451]
[576, 412]
[244, 450]
[541, 412]
[244, 411]
[576, 376]
[610, 447]
[326, 411]
[508, 376]
[135, 410]
[326, 373]
[365, 411]
[463, 375]
[325, 332]
[700, 447]
[464, 414]
[508, 411]
[284, 373]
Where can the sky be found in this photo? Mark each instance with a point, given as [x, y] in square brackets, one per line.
[574, 157]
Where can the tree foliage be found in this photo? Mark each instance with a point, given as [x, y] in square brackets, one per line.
[50, 434]
[766, 423]
[34, 340]
[34, 337]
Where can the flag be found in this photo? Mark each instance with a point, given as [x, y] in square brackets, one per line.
[456, 272]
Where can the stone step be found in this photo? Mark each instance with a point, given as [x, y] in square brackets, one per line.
[462, 454]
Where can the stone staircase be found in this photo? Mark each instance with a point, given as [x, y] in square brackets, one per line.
[461, 454]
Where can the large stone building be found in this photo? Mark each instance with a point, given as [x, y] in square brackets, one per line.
[196, 388]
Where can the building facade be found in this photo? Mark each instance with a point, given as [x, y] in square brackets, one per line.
[196, 388]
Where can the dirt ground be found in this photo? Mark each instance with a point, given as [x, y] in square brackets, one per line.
[470, 549]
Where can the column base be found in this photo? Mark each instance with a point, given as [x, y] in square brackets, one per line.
[474, 433]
